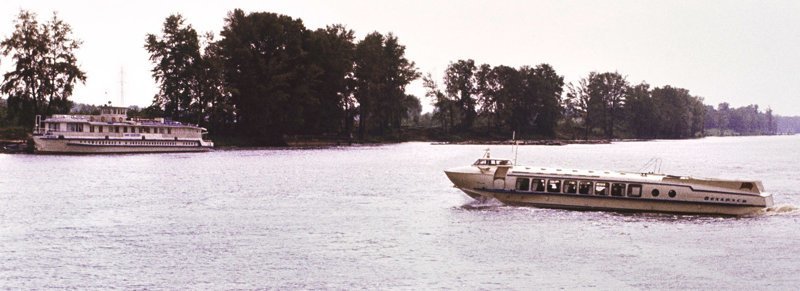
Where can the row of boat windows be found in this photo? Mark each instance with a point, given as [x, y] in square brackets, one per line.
[78, 127]
[584, 187]
[149, 143]
[132, 129]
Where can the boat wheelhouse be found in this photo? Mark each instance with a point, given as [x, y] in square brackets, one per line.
[113, 132]
[607, 190]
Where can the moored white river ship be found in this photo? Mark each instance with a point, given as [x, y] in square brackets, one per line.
[112, 132]
[607, 190]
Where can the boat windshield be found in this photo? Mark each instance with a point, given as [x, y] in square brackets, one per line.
[491, 162]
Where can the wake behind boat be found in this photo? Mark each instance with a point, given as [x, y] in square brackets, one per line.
[607, 190]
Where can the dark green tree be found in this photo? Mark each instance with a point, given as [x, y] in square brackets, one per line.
[380, 75]
[577, 104]
[640, 111]
[213, 105]
[544, 86]
[413, 110]
[461, 84]
[680, 115]
[268, 74]
[176, 59]
[45, 68]
[331, 50]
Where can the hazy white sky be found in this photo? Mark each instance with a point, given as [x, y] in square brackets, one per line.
[742, 52]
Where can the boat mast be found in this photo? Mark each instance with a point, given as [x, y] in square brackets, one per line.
[121, 86]
[514, 146]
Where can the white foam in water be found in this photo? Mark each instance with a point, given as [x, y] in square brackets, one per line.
[782, 209]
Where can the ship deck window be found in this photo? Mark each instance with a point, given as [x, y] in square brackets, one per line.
[585, 187]
[571, 186]
[75, 127]
[538, 185]
[672, 193]
[554, 186]
[601, 188]
[617, 189]
[746, 185]
[482, 162]
[635, 190]
[523, 184]
[655, 192]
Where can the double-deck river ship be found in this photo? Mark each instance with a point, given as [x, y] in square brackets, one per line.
[112, 132]
[607, 190]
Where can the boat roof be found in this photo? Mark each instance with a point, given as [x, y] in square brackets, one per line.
[136, 122]
[588, 173]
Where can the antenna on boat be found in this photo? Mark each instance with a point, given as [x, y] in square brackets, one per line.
[514, 146]
[121, 86]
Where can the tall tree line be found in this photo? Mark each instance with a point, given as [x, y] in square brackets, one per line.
[269, 76]
[500, 99]
[528, 100]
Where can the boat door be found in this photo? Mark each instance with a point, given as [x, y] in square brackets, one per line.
[500, 176]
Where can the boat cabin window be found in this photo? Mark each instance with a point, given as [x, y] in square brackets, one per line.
[169, 131]
[672, 193]
[523, 184]
[655, 192]
[554, 186]
[100, 128]
[571, 186]
[617, 189]
[490, 162]
[585, 187]
[746, 185]
[635, 190]
[601, 188]
[538, 185]
[75, 127]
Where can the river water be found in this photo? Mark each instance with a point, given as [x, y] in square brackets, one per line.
[381, 217]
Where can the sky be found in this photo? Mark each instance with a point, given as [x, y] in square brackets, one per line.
[740, 52]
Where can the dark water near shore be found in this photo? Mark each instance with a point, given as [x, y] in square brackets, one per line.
[381, 217]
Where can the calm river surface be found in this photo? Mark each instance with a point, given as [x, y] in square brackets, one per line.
[381, 217]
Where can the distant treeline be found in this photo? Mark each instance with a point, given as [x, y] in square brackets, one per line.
[268, 77]
[788, 124]
[745, 120]
[485, 100]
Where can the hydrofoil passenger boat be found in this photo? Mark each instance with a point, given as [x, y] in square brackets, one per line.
[606, 190]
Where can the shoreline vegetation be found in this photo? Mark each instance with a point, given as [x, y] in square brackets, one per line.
[267, 80]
